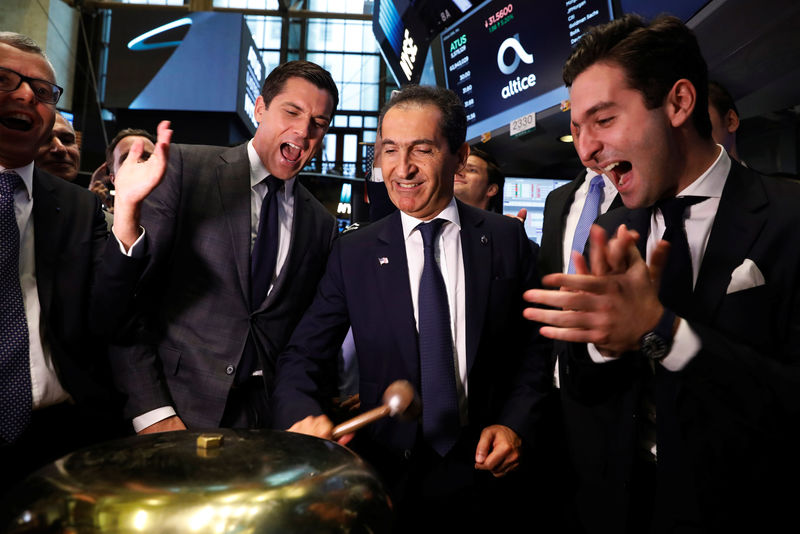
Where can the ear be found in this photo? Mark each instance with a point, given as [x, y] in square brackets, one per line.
[492, 190]
[463, 154]
[680, 102]
[731, 121]
[260, 109]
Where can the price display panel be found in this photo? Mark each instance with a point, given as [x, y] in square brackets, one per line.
[504, 59]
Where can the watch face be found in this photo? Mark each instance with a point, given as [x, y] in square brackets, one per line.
[654, 346]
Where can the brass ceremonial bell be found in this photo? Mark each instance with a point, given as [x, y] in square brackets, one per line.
[242, 481]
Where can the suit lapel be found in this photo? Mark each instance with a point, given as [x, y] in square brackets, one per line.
[476, 248]
[391, 265]
[233, 178]
[738, 222]
[48, 225]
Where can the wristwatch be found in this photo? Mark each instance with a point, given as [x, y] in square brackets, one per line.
[657, 343]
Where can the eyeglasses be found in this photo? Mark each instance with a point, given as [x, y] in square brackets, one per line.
[45, 92]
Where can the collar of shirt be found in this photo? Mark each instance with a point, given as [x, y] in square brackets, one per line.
[258, 172]
[450, 213]
[26, 173]
[712, 182]
[699, 218]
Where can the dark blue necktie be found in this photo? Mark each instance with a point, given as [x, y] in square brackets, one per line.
[591, 208]
[265, 248]
[15, 371]
[262, 268]
[440, 420]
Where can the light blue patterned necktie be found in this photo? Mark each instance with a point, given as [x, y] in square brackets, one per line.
[591, 209]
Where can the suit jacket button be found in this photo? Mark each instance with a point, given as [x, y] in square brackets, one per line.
[230, 369]
[407, 454]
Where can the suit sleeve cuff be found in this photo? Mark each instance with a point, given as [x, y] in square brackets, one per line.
[152, 417]
[134, 251]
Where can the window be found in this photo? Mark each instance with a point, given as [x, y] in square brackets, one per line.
[341, 6]
[247, 4]
[156, 2]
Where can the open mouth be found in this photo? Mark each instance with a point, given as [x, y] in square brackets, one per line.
[617, 171]
[17, 122]
[291, 152]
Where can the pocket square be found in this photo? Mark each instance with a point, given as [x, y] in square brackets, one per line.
[745, 276]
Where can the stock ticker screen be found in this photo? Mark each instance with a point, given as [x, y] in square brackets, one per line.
[529, 193]
[504, 59]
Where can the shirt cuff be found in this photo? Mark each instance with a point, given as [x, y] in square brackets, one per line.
[134, 251]
[152, 417]
[685, 346]
[595, 355]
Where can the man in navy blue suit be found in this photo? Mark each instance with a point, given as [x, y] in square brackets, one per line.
[372, 283]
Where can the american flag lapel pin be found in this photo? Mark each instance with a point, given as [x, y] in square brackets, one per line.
[383, 260]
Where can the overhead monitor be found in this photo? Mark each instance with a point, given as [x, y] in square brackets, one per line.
[529, 193]
[683, 9]
[160, 59]
[504, 58]
[404, 30]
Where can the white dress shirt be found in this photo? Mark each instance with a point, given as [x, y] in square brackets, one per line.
[46, 388]
[258, 190]
[699, 218]
[451, 263]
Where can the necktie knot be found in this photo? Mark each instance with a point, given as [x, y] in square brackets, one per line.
[673, 209]
[273, 184]
[596, 183]
[430, 231]
[9, 181]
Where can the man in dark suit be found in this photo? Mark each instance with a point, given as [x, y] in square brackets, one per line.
[375, 283]
[684, 373]
[54, 395]
[213, 310]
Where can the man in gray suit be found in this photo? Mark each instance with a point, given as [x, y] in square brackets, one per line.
[228, 259]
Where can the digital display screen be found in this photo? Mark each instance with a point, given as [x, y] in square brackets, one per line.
[162, 60]
[504, 59]
[529, 193]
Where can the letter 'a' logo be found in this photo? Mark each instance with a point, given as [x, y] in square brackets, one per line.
[520, 54]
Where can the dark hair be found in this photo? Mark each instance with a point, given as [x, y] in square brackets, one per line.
[654, 56]
[720, 98]
[496, 176]
[127, 132]
[311, 72]
[453, 123]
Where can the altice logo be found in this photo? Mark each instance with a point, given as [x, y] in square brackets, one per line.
[520, 83]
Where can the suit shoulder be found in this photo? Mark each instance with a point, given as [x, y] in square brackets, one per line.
[317, 208]
[202, 154]
[64, 189]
